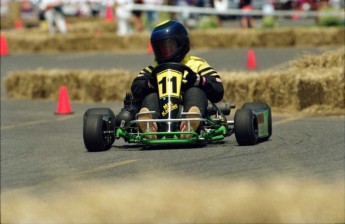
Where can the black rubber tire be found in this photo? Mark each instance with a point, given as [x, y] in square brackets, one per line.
[261, 106]
[246, 128]
[93, 132]
[100, 111]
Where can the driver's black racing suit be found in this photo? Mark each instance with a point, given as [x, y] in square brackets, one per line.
[210, 87]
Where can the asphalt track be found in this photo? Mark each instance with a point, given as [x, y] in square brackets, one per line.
[43, 151]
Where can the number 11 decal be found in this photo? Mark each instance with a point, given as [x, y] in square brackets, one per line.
[169, 83]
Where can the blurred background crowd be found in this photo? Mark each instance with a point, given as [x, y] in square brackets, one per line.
[131, 16]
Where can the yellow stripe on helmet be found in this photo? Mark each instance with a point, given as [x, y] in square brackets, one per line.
[164, 22]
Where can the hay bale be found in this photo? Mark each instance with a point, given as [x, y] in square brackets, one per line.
[75, 42]
[290, 90]
[83, 86]
[277, 89]
[99, 38]
[322, 87]
[313, 80]
[328, 59]
[277, 37]
[316, 82]
[90, 26]
[319, 37]
[221, 38]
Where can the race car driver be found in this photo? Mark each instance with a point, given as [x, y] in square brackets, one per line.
[170, 43]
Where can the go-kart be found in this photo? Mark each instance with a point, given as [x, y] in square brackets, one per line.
[252, 123]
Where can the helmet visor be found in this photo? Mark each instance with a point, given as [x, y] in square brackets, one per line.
[166, 48]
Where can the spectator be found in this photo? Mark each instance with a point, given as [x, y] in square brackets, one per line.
[247, 20]
[185, 14]
[4, 7]
[336, 4]
[95, 8]
[173, 15]
[137, 17]
[84, 9]
[220, 6]
[27, 11]
[152, 16]
[53, 14]
[322, 4]
[123, 17]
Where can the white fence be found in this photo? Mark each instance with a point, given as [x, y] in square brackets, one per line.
[213, 11]
[200, 10]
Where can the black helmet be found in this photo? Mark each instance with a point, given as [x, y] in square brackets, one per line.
[170, 41]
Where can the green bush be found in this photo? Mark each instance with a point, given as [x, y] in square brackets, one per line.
[329, 20]
[208, 22]
[268, 22]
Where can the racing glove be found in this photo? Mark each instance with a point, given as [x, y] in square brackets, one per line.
[190, 79]
[152, 82]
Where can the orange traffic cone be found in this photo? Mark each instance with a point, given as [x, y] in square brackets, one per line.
[109, 14]
[63, 106]
[18, 24]
[3, 46]
[149, 48]
[251, 60]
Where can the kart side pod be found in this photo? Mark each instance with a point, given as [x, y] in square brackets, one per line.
[253, 123]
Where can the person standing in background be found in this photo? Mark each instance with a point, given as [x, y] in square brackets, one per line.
[53, 14]
[335, 4]
[137, 17]
[247, 20]
[4, 7]
[152, 17]
[123, 17]
[220, 6]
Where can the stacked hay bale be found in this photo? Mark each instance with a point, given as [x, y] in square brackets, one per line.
[313, 83]
[103, 38]
[83, 85]
[79, 42]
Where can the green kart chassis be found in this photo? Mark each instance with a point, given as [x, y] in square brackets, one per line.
[217, 131]
[252, 124]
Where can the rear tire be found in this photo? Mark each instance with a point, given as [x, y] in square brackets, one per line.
[98, 129]
[246, 128]
[255, 106]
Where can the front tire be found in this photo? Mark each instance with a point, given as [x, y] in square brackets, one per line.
[98, 129]
[246, 127]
